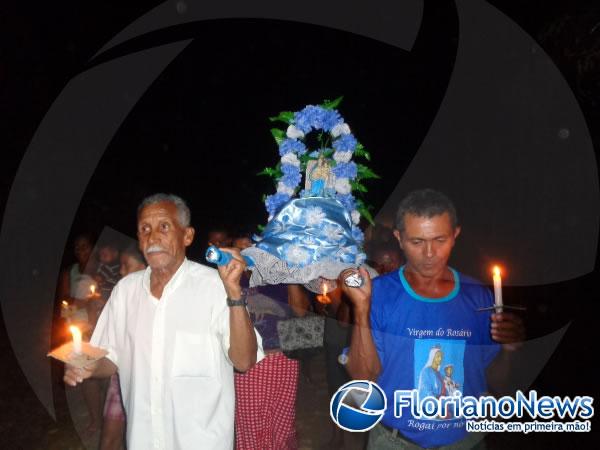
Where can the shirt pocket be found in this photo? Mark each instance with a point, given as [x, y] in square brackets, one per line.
[193, 355]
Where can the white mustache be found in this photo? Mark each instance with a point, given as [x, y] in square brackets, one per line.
[154, 249]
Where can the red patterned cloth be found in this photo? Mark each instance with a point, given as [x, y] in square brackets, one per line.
[265, 404]
[113, 406]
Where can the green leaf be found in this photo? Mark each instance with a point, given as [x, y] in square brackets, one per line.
[328, 152]
[366, 214]
[356, 186]
[365, 172]
[284, 116]
[332, 104]
[270, 172]
[278, 134]
[360, 151]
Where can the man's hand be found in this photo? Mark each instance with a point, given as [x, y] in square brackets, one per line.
[75, 375]
[508, 329]
[232, 272]
[360, 297]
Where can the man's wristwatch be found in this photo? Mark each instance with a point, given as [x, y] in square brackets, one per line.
[241, 302]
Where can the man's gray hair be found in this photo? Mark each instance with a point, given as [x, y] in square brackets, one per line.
[183, 212]
[425, 203]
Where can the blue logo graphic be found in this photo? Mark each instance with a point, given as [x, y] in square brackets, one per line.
[358, 405]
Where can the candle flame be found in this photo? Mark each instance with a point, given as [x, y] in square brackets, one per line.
[496, 271]
[65, 303]
[75, 331]
[93, 289]
[324, 298]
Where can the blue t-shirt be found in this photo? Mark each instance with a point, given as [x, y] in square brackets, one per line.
[437, 346]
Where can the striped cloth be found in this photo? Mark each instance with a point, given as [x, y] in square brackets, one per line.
[265, 404]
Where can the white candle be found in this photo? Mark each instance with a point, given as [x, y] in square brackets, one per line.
[497, 289]
[76, 339]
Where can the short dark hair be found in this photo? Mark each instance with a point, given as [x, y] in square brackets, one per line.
[425, 203]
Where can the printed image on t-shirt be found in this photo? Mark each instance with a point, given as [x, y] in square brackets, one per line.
[438, 367]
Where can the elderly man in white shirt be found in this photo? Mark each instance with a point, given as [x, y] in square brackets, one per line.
[175, 332]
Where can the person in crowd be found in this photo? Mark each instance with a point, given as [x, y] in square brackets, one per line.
[74, 287]
[266, 394]
[113, 426]
[174, 332]
[75, 281]
[107, 273]
[219, 237]
[385, 257]
[426, 297]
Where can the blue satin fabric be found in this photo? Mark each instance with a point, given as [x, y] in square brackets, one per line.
[310, 230]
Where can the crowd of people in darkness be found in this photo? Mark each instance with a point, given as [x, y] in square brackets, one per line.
[194, 355]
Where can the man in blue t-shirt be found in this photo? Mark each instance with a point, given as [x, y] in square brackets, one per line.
[419, 329]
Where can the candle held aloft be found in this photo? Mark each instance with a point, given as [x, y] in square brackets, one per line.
[76, 339]
[497, 289]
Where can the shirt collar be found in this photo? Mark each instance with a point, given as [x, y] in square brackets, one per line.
[172, 283]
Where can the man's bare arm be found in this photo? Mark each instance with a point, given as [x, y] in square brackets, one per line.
[363, 360]
[242, 339]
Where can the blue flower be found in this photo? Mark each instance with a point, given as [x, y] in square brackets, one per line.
[291, 179]
[289, 169]
[310, 117]
[291, 175]
[331, 118]
[291, 145]
[358, 235]
[274, 202]
[345, 170]
[347, 200]
[345, 143]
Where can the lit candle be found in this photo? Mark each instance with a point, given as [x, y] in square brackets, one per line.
[323, 298]
[497, 289]
[76, 339]
[92, 290]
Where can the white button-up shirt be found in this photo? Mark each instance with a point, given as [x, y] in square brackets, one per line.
[172, 357]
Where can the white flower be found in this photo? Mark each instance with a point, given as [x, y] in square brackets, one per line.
[290, 158]
[342, 157]
[339, 129]
[296, 255]
[314, 216]
[284, 189]
[342, 185]
[355, 217]
[294, 133]
[333, 233]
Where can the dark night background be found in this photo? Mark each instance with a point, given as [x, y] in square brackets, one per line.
[234, 76]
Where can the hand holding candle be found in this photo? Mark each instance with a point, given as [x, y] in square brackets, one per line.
[497, 289]
[76, 339]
